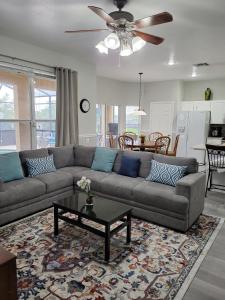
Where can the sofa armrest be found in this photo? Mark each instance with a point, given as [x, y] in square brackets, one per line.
[192, 187]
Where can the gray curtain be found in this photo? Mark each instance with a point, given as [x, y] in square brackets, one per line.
[67, 131]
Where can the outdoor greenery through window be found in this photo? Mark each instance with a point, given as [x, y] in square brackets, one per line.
[133, 121]
[27, 111]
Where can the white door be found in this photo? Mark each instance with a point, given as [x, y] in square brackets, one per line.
[162, 117]
[218, 112]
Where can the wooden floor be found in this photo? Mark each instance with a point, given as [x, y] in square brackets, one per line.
[209, 282]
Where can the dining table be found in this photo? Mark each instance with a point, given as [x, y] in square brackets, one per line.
[147, 145]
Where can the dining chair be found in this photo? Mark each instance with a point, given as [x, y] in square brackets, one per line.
[131, 134]
[174, 151]
[216, 161]
[153, 136]
[162, 145]
[125, 142]
[112, 141]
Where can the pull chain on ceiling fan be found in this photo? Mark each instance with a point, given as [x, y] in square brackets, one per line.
[124, 29]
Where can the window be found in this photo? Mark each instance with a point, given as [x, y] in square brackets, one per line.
[26, 101]
[107, 124]
[45, 111]
[133, 122]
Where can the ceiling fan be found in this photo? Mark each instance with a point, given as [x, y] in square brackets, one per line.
[125, 30]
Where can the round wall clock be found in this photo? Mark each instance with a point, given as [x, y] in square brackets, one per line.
[85, 105]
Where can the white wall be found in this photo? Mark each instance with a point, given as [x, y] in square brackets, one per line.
[86, 73]
[194, 90]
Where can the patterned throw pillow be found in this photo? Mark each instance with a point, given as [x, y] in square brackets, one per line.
[41, 165]
[166, 174]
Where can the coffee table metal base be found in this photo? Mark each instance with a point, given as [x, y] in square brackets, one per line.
[107, 234]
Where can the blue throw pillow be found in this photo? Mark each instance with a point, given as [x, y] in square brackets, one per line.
[166, 174]
[40, 165]
[104, 159]
[10, 167]
[129, 166]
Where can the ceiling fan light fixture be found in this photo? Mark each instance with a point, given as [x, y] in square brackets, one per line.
[112, 41]
[137, 43]
[125, 49]
[102, 48]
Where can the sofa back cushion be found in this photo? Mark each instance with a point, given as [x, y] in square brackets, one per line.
[104, 159]
[31, 154]
[10, 167]
[63, 156]
[190, 163]
[84, 156]
[145, 161]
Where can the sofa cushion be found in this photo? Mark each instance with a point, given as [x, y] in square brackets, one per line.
[117, 162]
[84, 156]
[120, 186]
[63, 156]
[56, 180]
[31, 154]
[104, 159]
[160, 196]
[145, 158]
[2, 189]
[75, 171]
[165, 173]
[190, 163]
[40, 165]
[129, 166]
[10, 167]
[21, 190]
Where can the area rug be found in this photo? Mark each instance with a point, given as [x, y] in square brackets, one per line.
[158, 264]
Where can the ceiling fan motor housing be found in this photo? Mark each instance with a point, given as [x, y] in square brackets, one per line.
[116, 15]
[120, 3]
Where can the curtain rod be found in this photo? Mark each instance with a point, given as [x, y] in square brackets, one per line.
[26, 61]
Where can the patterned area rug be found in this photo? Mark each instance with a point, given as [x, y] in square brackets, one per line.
[156, 265]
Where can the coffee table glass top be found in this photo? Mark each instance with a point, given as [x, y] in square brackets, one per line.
[103, 209]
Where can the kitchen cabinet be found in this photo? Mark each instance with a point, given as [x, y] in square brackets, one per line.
[218, 112]
[195, 106]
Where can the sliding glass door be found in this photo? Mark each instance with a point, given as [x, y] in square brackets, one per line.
[27, 111]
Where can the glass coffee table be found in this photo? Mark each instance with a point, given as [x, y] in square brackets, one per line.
[104, 211]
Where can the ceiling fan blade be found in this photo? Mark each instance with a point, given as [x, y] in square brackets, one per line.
[161, 18]
[85, 30]
[156, 40]
[102, 14]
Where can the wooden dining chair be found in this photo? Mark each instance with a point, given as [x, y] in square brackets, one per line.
[131, 134]
[216, 159]
[174, 151]
[162, 145]
[125, 142]
[154, 136]
[112, 141]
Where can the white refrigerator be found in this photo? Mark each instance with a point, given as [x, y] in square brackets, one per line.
[193, 128]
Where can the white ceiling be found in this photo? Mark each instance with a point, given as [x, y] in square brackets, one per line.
[197, 34]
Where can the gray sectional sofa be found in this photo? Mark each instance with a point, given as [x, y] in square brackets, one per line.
[175, 207]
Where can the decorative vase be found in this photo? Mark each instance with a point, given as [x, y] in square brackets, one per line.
[208, 94]
[89, 200]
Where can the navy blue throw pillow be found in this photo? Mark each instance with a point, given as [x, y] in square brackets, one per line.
[129, 166]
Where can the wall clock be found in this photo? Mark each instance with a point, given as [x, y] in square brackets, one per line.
[85, 105]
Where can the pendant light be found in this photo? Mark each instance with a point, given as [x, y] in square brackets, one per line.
[140, 111]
